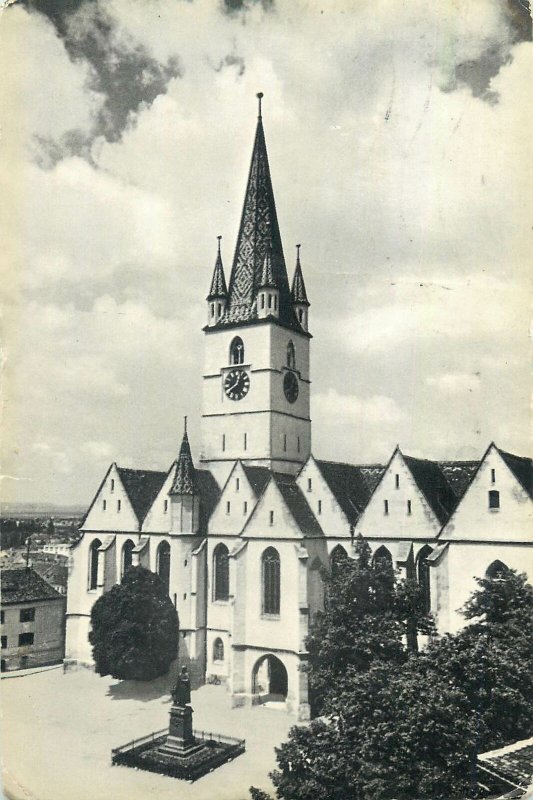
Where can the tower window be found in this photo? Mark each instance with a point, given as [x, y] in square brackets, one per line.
[309, 485]
[236, 351]
[245, 441]
[493, 476]
[262, 301]
[223, 442]
[270, 301]
[228, 507]
[298, 441]
[219, 309]
[386, 506]
[320, 506]
[494, 499]
[271, 517]
[221, 572]
[291, 356]
[285, 442]
[408, 506]
[212, 309]
[397, 481]
[270, 569]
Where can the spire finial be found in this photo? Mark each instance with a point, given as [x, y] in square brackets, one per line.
[219, 238]
[184, 424]
[298, 253]
[259, 96]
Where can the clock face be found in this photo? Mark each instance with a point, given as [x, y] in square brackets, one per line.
[290, 386]
[236, 384]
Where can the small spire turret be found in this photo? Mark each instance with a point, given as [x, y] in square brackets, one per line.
[218, 294]
[268, 293]
[299, 294]
[185, 478]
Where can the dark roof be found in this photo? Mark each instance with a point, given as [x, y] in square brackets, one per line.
[185, 477]
[522, 469]
[371, 474]
[209, 496]
[298, 293]
[218, 288]
[459, 474]
[507, 769]
[268, 280]
[297, 504]
[432, 482]
[54, 573]
[258, 233]
[258, 477]
[142, 487]
[25, 585]
[350, 485]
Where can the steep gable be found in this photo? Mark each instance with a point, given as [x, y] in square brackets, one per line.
[111, 508]
[282, 512]
[238, 499]
[496, 507]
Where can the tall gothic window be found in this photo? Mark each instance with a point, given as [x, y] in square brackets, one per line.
[271, 581]
[93, 563]
[423, 576]
[236, 351]
[337, 558]
[291, 356]
[221, 572]
[163, 563]
[383, 557]
[127, 555]
[218, 650]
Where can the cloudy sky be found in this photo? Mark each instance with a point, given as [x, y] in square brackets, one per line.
[400, 151]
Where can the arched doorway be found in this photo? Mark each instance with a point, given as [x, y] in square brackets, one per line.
[270, 680]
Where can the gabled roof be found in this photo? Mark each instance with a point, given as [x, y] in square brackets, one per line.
[522, 469]
[350, 486]
[258, 477]
[218, 288]
[459, 474]
[258, 233]
[297, 504]
[142, 487]
[432, 483]
[209, 491]
[25, 586]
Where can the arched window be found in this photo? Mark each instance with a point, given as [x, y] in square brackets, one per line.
[291, 356]
[221, 572]
[218, 650]
[423, 576]
[127, 556]
[383, 557]
[163, 563]
[497, 570]
[271, 574]
[337, 558]
[236, 351]
[93, 563]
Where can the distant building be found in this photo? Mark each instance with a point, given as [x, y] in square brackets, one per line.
[58, 548]
[32, 620]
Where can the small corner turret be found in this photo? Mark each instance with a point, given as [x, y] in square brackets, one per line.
[268, 291]
[184, 494]
[217, 298]
[299, 295]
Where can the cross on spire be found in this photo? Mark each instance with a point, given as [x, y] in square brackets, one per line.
[259, 96]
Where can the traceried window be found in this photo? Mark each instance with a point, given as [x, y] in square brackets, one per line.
[383, 557]
[218, 650]
[270, 570]
[423, 576]
[337, 559]
[494, 499]
[127, 555]
[236, 351]
[497, 570]
[93, 563]
[221, 572]
[163, 563]
[291, 356]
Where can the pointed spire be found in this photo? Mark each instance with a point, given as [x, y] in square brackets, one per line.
[268, 280]
[298, 293]
[185, 480]
[218, 288]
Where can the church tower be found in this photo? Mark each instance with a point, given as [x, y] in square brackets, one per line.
[256, 383]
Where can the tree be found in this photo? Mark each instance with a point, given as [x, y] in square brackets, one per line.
[134, 628]
[358, 626]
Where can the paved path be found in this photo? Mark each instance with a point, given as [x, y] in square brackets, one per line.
[58, 730]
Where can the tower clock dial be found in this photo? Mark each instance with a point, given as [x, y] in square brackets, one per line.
[236, 384]
[290, 387]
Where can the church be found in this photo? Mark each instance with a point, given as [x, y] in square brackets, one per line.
[241, 538]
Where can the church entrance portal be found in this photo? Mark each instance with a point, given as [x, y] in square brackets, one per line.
[269, 680]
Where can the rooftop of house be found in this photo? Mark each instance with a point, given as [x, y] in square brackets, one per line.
[24, 585]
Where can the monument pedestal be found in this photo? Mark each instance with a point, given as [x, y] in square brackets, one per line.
[180, 740]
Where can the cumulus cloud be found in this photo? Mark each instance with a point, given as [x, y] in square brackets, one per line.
[455, 383]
